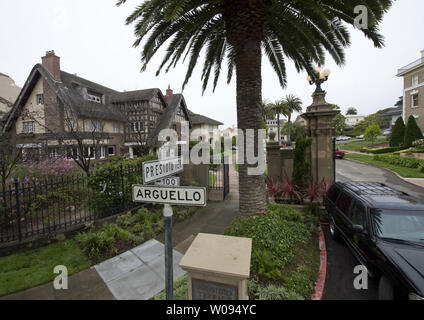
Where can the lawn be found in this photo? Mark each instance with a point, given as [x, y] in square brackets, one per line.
[357, 145]
[285, 255]
[28, 269]
[402, 171]
[212, 179]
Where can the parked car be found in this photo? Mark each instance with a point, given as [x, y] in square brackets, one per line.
[387, 132]
[339, 154]
[384, 229]
[342, 138]
[360, 136]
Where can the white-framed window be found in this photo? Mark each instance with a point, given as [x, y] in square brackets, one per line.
[40, 99]
[94, 97]
[116, 127]
[415, 80]
[111, 151]
[137, 126]
[414, 102]
[94, 126]
[102, 152]
[28, 127]
[90, 152]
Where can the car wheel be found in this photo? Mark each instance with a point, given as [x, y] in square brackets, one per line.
[385, 289]
[333, 230]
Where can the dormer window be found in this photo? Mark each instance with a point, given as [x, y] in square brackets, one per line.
[94, 97]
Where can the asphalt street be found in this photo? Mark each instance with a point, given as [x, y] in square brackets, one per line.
[340, 261]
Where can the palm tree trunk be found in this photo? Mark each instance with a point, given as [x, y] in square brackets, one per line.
[249, 98]
[289, 129]
[278, 129]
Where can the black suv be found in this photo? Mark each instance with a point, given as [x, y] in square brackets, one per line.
[384, 228]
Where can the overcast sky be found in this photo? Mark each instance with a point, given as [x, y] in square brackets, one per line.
[92, 40]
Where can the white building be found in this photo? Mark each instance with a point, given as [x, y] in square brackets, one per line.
[273, 127]
[352, 120]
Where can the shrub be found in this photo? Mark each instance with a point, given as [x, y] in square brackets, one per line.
[276, 236]
[112, 184]
[273, 292]
[412, 132]
[301, 167]
[407, 162]
[380, 150]
[398, 133]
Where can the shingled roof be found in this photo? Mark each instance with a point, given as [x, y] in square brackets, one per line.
[69, 92]
[199, 119]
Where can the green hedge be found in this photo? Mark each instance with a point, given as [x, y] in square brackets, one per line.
[111, 179]
[380, 150]
[407, 162]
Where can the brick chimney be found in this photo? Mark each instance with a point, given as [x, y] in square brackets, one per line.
[169, 92]
[52, 63]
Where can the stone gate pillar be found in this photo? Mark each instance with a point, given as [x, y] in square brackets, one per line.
[319, 117]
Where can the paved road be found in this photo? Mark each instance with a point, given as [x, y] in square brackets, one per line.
[349, 170]
[340, 276]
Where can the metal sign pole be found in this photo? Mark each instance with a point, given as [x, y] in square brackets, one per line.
[169, 269]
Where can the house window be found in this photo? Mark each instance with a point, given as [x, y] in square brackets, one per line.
[111, 151]
[28, 127]
[137, 126]
[94, 125]
[116, 127]
[415, 100]
[40, 99]
[94, 97]
[415, 80]
[156, 105]
[89, 152]
[103, 152]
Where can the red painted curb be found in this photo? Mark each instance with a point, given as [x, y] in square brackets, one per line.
[320, 285]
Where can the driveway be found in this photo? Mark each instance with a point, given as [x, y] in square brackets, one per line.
[340, 261]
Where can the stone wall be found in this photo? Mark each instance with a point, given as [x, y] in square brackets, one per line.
[279, 161]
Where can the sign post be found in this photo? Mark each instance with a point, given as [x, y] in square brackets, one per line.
[167, 192]
[169, 264]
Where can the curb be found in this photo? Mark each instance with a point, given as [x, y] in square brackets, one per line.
[320, 285]
[395, 173]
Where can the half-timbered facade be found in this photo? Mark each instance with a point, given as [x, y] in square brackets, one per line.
[55, 105]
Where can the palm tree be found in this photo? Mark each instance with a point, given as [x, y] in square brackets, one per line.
[238, 30]
[290, 104]
[278, 108]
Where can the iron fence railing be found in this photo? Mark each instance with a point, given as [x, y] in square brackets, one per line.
[38, 208]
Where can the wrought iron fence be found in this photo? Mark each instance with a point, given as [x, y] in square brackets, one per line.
[219, 177]
[38, 208]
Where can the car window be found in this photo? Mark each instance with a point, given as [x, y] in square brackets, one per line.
[359, 215]
[343, 203]
[333, 193]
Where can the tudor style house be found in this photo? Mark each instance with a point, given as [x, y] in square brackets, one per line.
[203, 125]
[413, 90]
[55, 107]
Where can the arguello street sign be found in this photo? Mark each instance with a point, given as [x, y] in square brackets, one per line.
[189, 196]
[158, 169]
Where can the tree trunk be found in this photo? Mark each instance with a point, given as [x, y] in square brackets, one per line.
[252, 188]
[289, 129]
[278, 129]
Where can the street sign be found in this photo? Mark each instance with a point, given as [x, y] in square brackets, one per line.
[168, 182]
[158, 169]
[189, 196]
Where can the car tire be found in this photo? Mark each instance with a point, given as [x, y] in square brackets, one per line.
[335, 235]
[385, 289]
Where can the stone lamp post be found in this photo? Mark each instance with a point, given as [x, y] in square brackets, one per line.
[319, 116]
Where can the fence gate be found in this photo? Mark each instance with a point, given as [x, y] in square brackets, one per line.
[219, 179]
